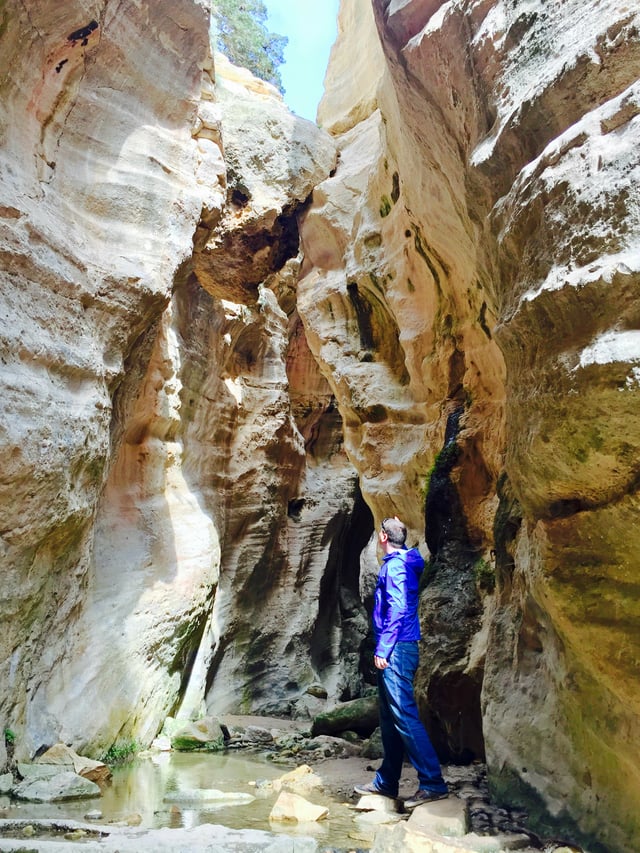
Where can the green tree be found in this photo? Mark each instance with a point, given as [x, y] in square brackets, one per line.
[243, 37]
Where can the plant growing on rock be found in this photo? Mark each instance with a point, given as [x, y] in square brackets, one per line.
[485, 575]
[121, 752]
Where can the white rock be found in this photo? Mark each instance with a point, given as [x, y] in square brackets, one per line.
[497, 843]
[294, 808]
[375, 802]
[377, 818]
[208, 795]
[63, 786]
[403, 838]
[442, 817]
[93, 814]
[62, 755]
[303, 778]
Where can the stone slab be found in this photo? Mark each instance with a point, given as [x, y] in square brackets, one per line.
[444, 817]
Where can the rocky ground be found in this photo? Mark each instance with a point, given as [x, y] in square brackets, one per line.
[467, 822]
[341, 764]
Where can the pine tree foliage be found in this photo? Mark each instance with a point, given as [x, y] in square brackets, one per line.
[243, 37]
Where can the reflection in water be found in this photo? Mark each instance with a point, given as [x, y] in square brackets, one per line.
[141, 793]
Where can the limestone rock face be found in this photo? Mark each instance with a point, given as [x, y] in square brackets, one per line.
[174, 489]
[471, 294]
[202, 426]
[99, 205]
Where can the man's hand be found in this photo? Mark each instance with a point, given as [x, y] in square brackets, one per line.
[381, 663]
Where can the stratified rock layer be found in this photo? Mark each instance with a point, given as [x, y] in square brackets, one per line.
[200, 425]
[174, 489]
[99, 205]
[472, 289]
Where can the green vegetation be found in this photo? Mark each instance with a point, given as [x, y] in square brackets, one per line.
[444, 461]
[119, 753]
[387, 203]
[427, 575]
[385, 206]
[582, 443]
[9, 736]
[485, 575]
[243, 37]
[188, 745]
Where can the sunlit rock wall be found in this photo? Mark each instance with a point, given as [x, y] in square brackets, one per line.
[396, 301]
[178, 510]
[471, 292]
[286, 606]
[99, 206]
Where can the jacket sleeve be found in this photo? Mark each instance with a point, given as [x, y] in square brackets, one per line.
[394, 607]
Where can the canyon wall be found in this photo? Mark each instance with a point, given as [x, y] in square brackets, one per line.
[99, 205]
[180, 522]
[233, 342]
[472, 297]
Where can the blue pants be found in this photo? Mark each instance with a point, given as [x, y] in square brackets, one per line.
[400, 725]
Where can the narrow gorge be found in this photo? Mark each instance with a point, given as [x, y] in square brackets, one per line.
[233, 341]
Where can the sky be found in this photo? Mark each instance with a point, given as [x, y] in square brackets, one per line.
[311, 27]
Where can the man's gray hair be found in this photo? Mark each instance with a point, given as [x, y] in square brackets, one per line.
[396, 531]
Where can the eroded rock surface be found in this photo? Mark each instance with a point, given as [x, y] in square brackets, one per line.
[201, 427]
[472, 297]
[174, 488]
[99, 205]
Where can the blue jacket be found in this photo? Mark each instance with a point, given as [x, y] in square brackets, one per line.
[395, 603]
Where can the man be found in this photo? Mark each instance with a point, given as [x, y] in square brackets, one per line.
[397, 631]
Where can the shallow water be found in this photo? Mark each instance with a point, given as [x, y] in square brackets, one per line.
[145, 788]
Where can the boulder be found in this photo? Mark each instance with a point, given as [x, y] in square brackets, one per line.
[443, 817]
[61, 754]
[402, 837]
[301, 779]
[201, 734]
[38, 771]
[294, 808]
[161, 744]
[63, 786]
[247, 735]
[377, 803]
[329, 746]
[373, 748]
[377, 818]
[502, 842]
[358, 715]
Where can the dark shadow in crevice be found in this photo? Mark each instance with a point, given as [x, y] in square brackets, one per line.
[451, 606]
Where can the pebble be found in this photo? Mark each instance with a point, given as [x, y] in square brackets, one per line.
[94, 814]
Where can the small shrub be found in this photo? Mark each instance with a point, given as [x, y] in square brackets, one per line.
[485, 575]
[9, 737]
[119, 753]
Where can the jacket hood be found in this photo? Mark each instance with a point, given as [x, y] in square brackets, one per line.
[412, 558]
